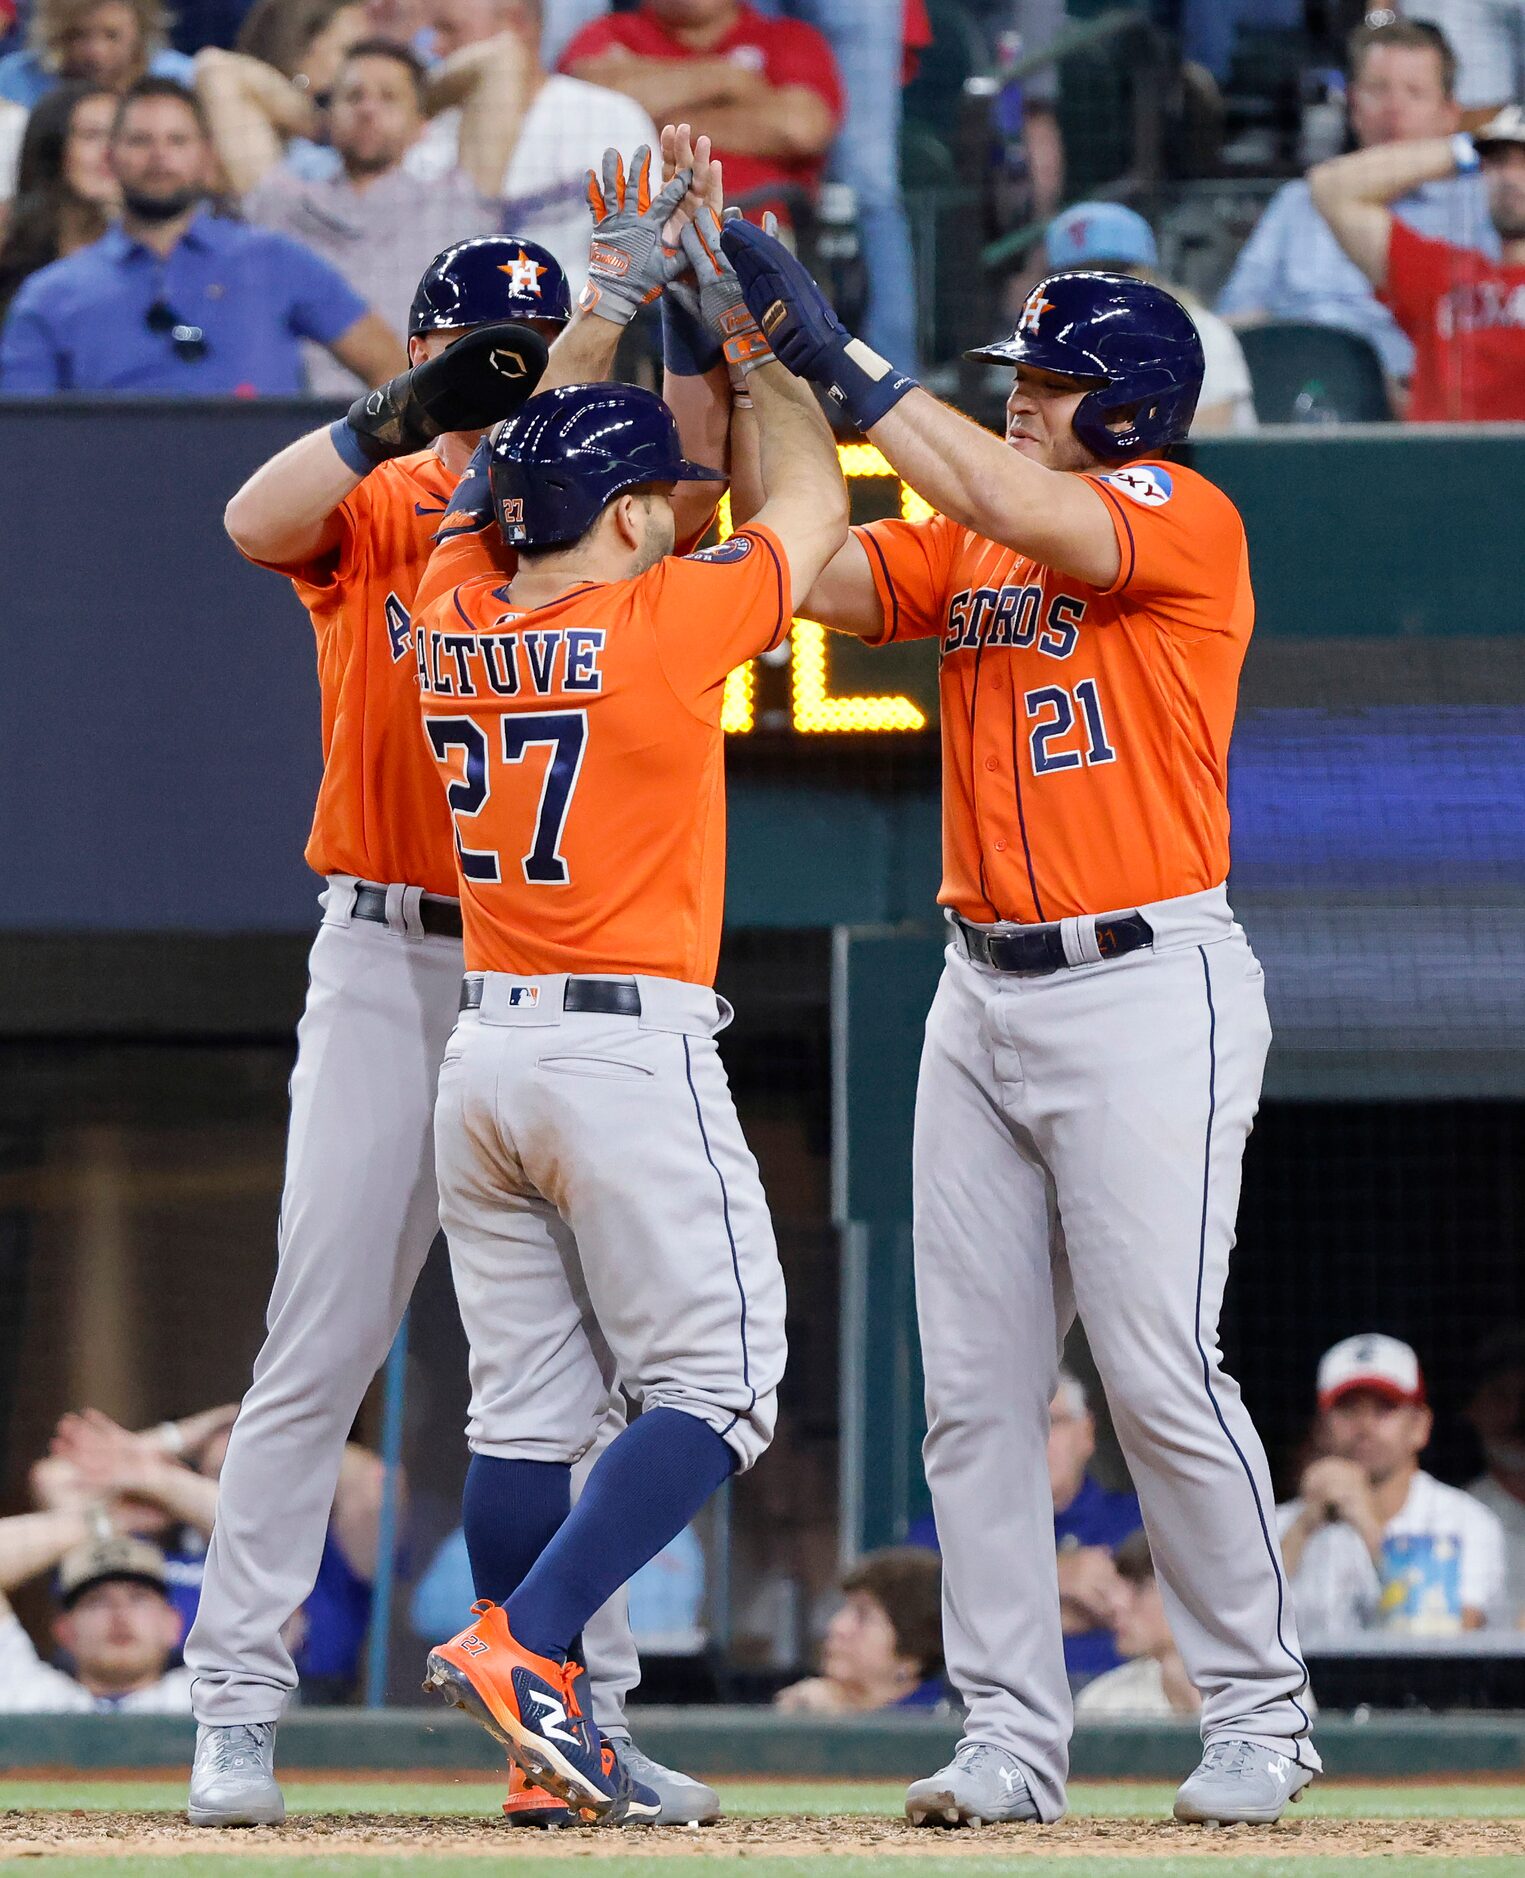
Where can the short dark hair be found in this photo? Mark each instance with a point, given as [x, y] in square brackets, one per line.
[906, 1581]
[152, 87]
[1414, 35]
[404, 56]
[1133, 1559]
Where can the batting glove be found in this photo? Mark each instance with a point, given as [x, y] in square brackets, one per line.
[803, 331]
[481, 379]
[626, 263]
[714, 295]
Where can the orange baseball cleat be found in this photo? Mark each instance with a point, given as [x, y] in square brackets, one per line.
[529, 1805]
[530, 1704]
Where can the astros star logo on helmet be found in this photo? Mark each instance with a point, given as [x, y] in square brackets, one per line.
[523, 273]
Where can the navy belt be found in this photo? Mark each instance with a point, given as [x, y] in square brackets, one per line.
[439, 917]
[603, 996]
[1035, 953]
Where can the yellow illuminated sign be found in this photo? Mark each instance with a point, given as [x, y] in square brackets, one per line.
[812, 707]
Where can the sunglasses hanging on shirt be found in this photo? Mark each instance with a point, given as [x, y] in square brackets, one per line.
[189, 342]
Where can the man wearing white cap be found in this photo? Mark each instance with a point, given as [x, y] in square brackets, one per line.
[1115, 238]
[1372, 1542]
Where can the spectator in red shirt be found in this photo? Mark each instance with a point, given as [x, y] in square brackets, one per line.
[1464, 312]
[765, 91]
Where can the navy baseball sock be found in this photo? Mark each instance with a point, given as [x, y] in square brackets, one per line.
[511, 1511]
[647, 1485]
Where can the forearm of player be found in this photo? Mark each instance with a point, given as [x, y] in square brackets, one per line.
[583, 351]
[844, 597]
[1352, 192]
[804, 496]
[702, 406]
[287, 512]
[975, 478]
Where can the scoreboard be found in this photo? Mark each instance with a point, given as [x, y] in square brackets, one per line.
[823, 684]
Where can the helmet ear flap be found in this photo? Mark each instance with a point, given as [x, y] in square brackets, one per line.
[1158, 420]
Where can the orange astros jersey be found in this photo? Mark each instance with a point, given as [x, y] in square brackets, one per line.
[581, 748]
[380, 813]
[1085, 733]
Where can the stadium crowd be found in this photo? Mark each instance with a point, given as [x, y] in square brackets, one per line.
[223, 199]
[1380, 1553]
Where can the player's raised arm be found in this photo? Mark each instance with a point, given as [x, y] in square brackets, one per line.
[804, 499]
[965, 472]
[696, 383]
[287, 513]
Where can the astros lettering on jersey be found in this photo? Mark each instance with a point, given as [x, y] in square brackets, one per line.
[379, 814]
[583, 758]
[1085, 733]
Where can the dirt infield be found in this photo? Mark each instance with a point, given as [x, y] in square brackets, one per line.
[30, 1835]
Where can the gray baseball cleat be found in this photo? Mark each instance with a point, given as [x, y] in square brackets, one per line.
[685, 1802]
[1240, 1784]
[233, 1777]
[980, 1786]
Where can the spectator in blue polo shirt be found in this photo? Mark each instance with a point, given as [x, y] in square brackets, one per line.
[176, 300]
[1090, 1523]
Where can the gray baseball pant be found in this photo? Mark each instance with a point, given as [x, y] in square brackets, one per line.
[1077, 1146]
[359, 1211]
[605, 1218]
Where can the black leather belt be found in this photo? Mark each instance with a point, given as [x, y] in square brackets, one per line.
[1035, 953]
[604, 997]
[440, 917]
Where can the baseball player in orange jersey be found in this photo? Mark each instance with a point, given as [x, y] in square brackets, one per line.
[359, 1209]
[604, 1214]
[1093, 1057]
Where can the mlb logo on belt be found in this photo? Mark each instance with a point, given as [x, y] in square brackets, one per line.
[524, 994]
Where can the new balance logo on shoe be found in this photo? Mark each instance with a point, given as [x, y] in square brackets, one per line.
[552, 1721]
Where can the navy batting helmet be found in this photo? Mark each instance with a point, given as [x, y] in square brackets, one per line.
[1131, 341]
[486, 279]
[571, 451]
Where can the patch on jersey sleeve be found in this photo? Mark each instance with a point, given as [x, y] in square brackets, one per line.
[736, 549]
[1148, 486]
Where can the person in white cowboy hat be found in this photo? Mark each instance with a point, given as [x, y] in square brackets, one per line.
[1372, 1542]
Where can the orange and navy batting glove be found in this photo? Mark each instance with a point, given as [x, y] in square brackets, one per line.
[717, 297]
[626, 262]
[805, 333]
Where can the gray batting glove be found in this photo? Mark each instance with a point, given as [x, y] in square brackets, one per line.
[722, 308]
[626, 264]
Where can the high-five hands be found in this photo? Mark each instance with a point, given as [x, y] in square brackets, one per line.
[804, 332]
[722, 306]
[627, 263]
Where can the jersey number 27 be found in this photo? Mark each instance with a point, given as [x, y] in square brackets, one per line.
[564, 735]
